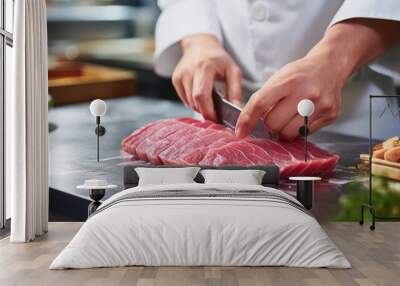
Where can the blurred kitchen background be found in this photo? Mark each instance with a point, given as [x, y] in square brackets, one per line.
[102, 49]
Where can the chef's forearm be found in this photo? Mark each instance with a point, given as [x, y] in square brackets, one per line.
[350, 44]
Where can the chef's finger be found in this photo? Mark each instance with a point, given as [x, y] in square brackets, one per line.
[318, 124]
[281, 114]
[203, 82]
[316, 121]
[187, 83]
[322, 121]
[234, 85]
[177, 83]
[258, 105]
[291, 130]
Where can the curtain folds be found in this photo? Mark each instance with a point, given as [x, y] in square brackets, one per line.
[26, 123]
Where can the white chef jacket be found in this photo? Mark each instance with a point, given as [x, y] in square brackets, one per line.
[264, 35]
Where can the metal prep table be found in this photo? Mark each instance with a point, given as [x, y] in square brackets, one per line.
[72, 148]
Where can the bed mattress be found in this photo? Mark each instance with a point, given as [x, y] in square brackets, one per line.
[201, 225]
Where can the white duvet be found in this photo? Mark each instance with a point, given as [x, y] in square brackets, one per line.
[189, 231]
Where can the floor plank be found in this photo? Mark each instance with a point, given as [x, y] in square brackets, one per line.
[375, 257]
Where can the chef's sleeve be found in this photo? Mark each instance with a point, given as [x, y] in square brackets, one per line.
[178, 19]
[388, 63]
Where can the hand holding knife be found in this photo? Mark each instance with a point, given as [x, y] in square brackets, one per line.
[228, 114]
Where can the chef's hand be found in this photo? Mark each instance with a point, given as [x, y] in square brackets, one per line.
[319, 76]
[312, 77]
[204, 60]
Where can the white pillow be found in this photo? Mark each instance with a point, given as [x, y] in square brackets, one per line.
[162, 176]
[248, 177]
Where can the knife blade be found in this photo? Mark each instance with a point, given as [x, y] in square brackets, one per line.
[228, 114]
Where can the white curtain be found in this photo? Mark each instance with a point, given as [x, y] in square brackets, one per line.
[26, 124]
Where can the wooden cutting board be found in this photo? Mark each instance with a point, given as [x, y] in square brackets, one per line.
[95, 82]
[383, 168]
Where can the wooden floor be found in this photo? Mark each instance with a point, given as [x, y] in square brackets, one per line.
[375, 257]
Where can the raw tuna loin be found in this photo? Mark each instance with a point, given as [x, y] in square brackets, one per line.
[186, 141]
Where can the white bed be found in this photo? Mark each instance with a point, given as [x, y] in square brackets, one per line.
[249, 225]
